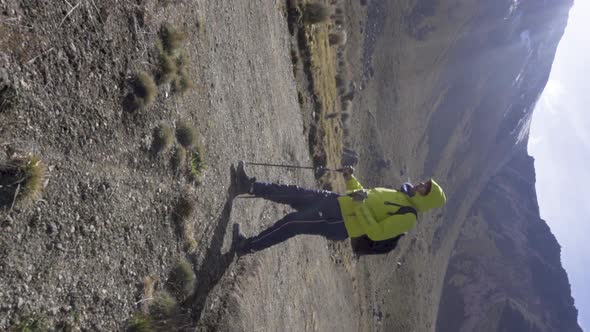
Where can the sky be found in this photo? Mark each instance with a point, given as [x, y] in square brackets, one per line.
[560, 143]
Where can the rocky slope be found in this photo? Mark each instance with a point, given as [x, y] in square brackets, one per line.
[505, 273]
[467, 74]
[523, 286]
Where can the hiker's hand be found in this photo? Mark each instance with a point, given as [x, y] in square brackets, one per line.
[347, 172]
[359, 195]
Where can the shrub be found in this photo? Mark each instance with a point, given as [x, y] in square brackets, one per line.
[337, 38]
[315, 12]
[172, 38]
[181, 281]
[144, 90]
[162, 138]
[186, 134]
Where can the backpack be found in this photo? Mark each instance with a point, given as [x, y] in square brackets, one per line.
[364, 246]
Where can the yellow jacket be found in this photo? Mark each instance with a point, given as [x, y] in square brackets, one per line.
[385, 213]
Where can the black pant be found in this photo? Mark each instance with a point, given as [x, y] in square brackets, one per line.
[318, 213]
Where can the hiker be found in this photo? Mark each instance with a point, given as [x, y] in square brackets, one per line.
[378, 213]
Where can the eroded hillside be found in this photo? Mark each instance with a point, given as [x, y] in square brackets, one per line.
[436, 89]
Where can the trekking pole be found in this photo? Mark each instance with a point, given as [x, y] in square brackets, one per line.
[319, 171]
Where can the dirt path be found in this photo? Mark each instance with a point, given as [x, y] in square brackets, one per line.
[105, 219]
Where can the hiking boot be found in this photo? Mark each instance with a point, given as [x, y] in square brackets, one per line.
[239, 242]
[244, 183]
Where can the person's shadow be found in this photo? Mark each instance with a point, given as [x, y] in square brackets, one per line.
[215, 263]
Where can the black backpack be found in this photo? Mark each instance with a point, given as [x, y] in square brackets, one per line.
[365, 246]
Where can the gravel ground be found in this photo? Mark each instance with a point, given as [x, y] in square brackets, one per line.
[104, 221]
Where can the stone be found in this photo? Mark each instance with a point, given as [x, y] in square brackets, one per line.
[52, 228]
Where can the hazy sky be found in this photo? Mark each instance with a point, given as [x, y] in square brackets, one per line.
[560, 143]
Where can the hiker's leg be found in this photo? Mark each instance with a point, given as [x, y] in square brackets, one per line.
[315, 221]
[297, 197]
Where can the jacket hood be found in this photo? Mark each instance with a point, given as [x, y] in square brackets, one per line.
[434, 199]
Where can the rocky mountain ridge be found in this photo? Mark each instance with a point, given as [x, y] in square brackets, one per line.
[469, 74]
[521, 286]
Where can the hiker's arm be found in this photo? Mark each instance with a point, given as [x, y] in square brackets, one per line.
[389, 228]
[352, 183]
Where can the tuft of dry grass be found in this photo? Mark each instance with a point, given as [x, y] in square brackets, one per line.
[173, 63]
[331, 115]
[197, 163]
[163, 306]
[188, 233]
[344, 116]
[182, 83]
[182, 280]
[168, 68]
[22, 180]
[163, 138]
[178, 159]
[337, 38]
[346, 106]
[294, 56]
[149, 286]
[184, 208]
[184, 225]
[200, 22]
[172, 38]
[8, 98]
[34, 175]
[315, 12]
[140, 323]
[182, 61]
[186, 134]
[144, 91]
[31, 323]
[340, 82]
[162, 311]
